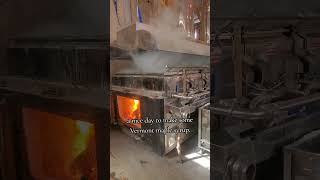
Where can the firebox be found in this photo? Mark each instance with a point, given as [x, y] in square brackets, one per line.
[173, 90]
[129, 108]
[59, 147]
[53, 139]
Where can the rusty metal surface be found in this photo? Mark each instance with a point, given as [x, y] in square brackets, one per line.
[275, 54]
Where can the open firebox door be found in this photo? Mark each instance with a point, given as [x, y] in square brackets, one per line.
[129, 109]
[59, 147]
[57, 140]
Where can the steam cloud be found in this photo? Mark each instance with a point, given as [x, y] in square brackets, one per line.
[165, 29]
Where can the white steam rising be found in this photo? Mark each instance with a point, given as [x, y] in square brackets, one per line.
[166, 29]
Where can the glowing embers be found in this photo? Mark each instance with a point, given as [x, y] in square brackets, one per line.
[128, 109]
[59, 147]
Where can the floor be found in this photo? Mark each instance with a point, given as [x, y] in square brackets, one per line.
[134, 160]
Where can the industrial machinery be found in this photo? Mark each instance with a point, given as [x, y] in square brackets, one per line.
[166, 80]
[265, 91]
[171, 91]
[301, 159]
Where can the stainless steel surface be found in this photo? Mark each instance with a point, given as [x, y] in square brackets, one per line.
[204, 128]
[182, 89]
[179, 82]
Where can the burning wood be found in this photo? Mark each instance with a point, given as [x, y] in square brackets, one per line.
[129, 109]
[84, 164]
[60, 147]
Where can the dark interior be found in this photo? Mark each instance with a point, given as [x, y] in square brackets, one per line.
[62, 46]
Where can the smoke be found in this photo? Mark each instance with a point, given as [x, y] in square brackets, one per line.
[167, 23]
[166, 33]
[167, 29]
[154, 62]
[157, 61]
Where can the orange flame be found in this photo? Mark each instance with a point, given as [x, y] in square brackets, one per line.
[129, 109]
[134, 114]
[82, 138]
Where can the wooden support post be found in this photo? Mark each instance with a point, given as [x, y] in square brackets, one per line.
[203, 20]
[133, 4]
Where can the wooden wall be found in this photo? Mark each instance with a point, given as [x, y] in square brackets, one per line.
[149, 9]
[127, 14]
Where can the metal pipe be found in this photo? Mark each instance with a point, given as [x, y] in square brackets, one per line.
[240, 113]
[182, 97]
[283, 105]
[263, 111]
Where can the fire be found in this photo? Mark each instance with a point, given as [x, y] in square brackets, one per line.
[134, 108]
[81, 140]
[83, 152]
[129, 109]
[59, 147]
